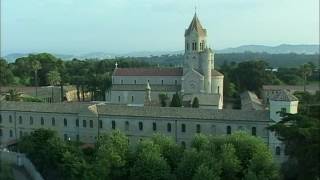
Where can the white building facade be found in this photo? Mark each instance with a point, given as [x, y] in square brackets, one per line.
[197, 78]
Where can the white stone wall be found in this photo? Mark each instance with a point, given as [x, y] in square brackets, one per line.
[89, 133]
[138, 97]
[276, 106]
[167, 80]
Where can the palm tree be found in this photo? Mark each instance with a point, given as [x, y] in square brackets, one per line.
[35, 66]
[53, 78]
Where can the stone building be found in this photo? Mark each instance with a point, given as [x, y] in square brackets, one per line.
[84, 122]
[197, 78]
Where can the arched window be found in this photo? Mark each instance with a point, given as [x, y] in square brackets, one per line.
[278, 151]
[10, 119]
[132, 99]
[228, 129]
[0, 118]
[218, 90]
[140, 126]
[11, 133]
[0, 132]
[113, 124]
[135, 81]
[161, 82]
[118, 98]
[169, 127]
[254, 131]
[121, 81]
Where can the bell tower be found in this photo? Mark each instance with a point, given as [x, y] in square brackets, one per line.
[198, 57]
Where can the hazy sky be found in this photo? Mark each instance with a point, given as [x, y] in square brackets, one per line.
[118, 26]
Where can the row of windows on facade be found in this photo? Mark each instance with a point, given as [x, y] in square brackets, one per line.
[195, 47]
[162, 82]
[113, 125]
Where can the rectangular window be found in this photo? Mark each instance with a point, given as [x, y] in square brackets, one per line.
[140, 126]
[84, 123]
[228, 129]
[198, 128]
[11, 133]
[135, 81]
[183, 128]
[10, 119]
[53, 121]
[118, 98]
[132, 99]
[175, 82]
[126, 126]
[42, 121]
[162, 82]
[169, 127]
[121, 81]
[254, 131]
[0, 118]
[0, 132]
[77, 122]
[65, 122]
[31, 121]
[113, 124]
[20, 120]
[154, 126]
[100, 124]
[91, 124]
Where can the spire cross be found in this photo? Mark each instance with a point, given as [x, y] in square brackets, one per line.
[116, 65]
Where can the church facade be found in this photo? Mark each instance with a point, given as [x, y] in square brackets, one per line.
[196, 79]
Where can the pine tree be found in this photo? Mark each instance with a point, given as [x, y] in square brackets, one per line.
[176, 101]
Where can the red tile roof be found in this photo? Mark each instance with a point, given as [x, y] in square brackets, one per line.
[148, 72]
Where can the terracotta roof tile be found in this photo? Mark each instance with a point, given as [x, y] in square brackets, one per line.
[148, 72]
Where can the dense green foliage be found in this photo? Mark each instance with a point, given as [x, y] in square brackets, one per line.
[238, 156]
[44, 69]
[246, 71]
[163, 98]
[195, 103]
[6, 171]
[176, 101]
[301, 135]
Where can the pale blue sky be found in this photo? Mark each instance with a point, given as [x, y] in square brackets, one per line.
[119, 26]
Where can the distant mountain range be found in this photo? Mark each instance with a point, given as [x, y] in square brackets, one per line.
[281, 49]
